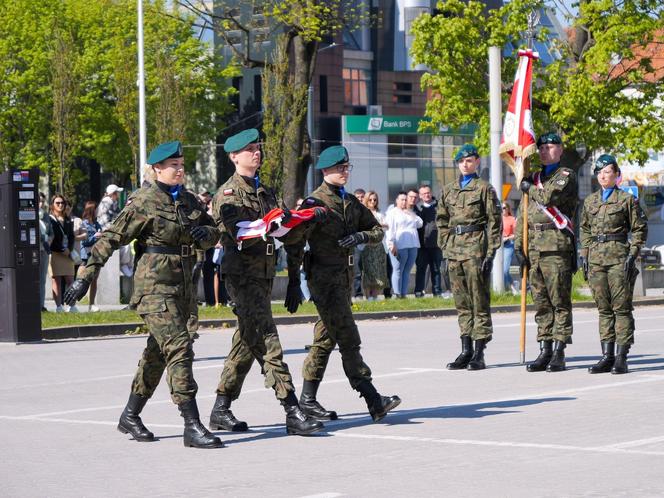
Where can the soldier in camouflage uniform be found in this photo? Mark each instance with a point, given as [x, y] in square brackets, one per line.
[551, 252]
[469, 221]
[249, 268]
[609, 261]
[169, 224]
[329, 269]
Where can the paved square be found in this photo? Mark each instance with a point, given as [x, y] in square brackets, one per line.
[497, 432]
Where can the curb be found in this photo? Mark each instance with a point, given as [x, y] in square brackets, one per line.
[121, 329]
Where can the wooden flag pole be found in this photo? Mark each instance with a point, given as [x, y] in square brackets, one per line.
[524, 277]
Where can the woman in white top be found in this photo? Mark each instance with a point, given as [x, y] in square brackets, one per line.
[402, 242]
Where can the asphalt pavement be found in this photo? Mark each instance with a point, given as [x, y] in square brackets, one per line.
[498, 432]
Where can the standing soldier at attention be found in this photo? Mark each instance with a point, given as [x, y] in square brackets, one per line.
[329, 269]
[169, 224]
[551, 257]
[609, 261]
[249, 269]
[469, 222]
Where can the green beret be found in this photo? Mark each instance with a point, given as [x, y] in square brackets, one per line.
[240, 140]
[549, 138]
[165, 151]
[337, 154]
[466, 150]
[603, 161]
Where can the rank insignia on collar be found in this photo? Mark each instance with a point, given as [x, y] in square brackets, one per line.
[228, 191]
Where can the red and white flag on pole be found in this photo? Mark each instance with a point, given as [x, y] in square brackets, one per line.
[259, 227]
[518, 140]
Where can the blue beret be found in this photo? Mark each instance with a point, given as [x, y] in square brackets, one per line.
[603, 161]
[240, 140]
[165, 151]
[337, 154]
[466, 150]
[549, 138]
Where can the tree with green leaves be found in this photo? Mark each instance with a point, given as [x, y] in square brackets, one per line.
[296, 28]
[602, 92]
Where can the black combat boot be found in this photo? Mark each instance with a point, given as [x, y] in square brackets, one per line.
[477, 361]
[557, 363]
[620, 365]
[466, 354]
[222, 417]
[310, 406]
[297, 422]
[131, 423]
[195, 433]
[606, 361]
[540, 363]
[378, 405]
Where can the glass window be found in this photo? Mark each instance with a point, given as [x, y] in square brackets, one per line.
[356, 86]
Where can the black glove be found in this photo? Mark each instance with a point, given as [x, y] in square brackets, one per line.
[525, 186]
[585, 266]
[353, 240]
[629, 266]
[521, 258]
[320, 214]
[199, 233]
[293, 293]
[487, 266]
[286, 216]
[76, 291]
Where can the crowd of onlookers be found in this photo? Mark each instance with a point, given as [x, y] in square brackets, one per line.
[411, 240]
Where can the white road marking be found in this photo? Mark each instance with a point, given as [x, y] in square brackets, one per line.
[323, 495]
[635, 443]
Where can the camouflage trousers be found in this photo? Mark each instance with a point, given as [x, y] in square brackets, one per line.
[613, 295]
[330, 290]
[472, 298]
[550, 279]
[255, 339]
[169, 348]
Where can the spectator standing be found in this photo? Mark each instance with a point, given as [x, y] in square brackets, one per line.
[109, 207]
[374, 274]
[92, 230]
[509, 225]
[403, 242]
[360, 193]
[430, 256]
[46, 237]
[61, 247]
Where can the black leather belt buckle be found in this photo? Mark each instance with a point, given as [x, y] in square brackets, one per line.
[601, 237]
[269, 249]
[351, 260]
[458, 230]
[185, 251]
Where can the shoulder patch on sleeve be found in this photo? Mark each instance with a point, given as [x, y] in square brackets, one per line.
[228, 191]
[561, 182]
[564, 172]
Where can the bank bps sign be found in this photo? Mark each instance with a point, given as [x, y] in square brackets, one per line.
[398, 125]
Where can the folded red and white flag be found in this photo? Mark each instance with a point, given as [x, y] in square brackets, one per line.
[259, 227]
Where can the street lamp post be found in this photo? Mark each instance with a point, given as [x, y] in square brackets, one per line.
[142, 156]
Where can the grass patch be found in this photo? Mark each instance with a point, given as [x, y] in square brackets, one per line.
[126, 316]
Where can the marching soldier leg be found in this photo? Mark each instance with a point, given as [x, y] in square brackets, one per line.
[480, 293]
[463, 303]
[313, 370]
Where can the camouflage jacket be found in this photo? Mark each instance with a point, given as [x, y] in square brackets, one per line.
[345, 216]
[238, 200]
[620, 214]
[152, 218]
[559, 190]
[474, 204]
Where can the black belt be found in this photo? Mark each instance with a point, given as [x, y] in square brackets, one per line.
[607, 237]
[540, 227]
[184, 251]
[256, 250]
[459, 229]
[333, 260]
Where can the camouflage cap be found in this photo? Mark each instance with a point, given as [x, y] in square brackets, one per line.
[466, 150]
[603, 161]
[240, 140]
[549, 138]
[165, 151]
[337, 154]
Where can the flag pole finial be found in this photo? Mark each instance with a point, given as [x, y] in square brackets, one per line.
[533, 20]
